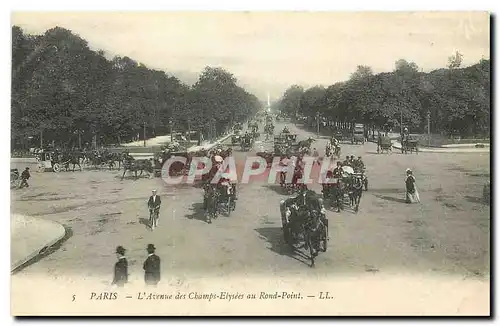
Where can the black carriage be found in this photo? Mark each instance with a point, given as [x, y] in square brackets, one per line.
[358, 137]
[409, 145]
[236, 139]
[384, 144]
[246, 143]
[304, 224]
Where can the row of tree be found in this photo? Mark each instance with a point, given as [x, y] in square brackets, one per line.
[64, 91]
[455, 100]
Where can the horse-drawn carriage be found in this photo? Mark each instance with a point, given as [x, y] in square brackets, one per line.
[304, 221]
[346, 190]
[343, 136]
[269, 129]
[285, 144]
[48, 161]
[14, 177]
[236, 138]
[384, 144]
[246, 143]
[409, 144]
[219, 198]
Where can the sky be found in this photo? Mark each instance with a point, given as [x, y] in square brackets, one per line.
[269, 51]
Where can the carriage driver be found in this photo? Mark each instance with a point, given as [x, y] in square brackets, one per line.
[347, 161]
[338, 171]
[359, 164]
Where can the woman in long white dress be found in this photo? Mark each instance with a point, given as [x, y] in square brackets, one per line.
[411, 188]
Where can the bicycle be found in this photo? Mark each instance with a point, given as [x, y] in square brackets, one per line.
[153, 217]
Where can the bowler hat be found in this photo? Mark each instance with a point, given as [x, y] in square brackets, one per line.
[151, 247]
[120, 250]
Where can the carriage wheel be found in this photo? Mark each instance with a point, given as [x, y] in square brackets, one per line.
[228, 206]
[56, 167]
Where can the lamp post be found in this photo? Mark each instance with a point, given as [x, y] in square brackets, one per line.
[144, 132]
[170, 123]
[429, 127]
[317, 123]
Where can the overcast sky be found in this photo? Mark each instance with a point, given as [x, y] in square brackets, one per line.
[270, 51]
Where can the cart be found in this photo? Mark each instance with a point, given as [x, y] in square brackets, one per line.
[384, 144]
[47, 162]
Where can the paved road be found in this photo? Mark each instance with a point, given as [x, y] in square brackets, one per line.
[447, 234]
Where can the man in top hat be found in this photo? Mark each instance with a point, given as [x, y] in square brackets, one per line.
[121, 268]
[152, 267]
[154, 203]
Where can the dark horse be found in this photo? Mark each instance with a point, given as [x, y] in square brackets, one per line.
[355, 192]
[210, 202]
[335, 192]
[137, 165]
[70, 158]
[316, 233]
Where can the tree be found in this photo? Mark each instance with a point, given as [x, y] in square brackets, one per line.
[362, 72]
[455, 61]
[63, 88]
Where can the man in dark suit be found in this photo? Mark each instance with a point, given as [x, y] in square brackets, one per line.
[154, 203]
[121, 268]
[152, 267]
[24, 178]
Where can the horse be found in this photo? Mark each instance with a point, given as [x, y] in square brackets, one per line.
[337, 191]
[137, 165]
[306, 143]
[210, 202]
[315, 233]
[328, 149]
[355, 192]
[70, 158]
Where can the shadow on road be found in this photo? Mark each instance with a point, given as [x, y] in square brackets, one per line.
[197, 212]
[394, 199]
[277, 189]
[476, 200]
[274, 236]
[144, 221]
[386, 190]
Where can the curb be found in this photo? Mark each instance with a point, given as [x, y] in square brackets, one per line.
[448, 150]
[31, 225]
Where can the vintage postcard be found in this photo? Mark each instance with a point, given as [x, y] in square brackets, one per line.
[250, 163]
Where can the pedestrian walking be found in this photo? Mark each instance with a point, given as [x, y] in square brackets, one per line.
[411, 188]
[152, 267]
[121, 268]
[24, 178]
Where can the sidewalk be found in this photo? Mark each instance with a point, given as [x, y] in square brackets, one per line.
[29, 235]
[155, 141]
[208, 146]
[397, 145]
